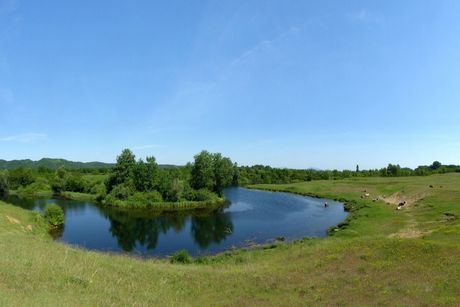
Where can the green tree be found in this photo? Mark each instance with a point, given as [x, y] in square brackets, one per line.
[57, 185]
[393, 170]
[123, 172]
[145, 175]
[61, 172]
[223, 172]
[236, 175]
[203, 171]
[21, 177]
[140, 176]
[152, 177]
[74, 183]
[176, 190]
[436, 165]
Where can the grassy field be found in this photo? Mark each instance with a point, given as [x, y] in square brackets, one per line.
[380, 256]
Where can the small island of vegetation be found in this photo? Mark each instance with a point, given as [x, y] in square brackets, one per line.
[134, 183]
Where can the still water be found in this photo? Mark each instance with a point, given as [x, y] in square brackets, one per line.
[251, 217]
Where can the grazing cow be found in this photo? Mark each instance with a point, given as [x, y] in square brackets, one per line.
[401, 205]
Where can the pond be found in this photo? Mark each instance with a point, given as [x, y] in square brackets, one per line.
[251, 217]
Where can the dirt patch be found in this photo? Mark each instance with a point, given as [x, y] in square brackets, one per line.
[399, 197]
[409, 233]
[12, 220]
[407, 201]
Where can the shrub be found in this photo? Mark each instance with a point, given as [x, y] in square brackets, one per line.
[146, 198]
[36, 188]
[121, 191]
[188, 193]
[175, 190]
[57, 185]
[4, 183]
[181, 256]
[204, 195]
[54, 215]
[100, 191]
[21, 177]
[111, 200]
[74, 183]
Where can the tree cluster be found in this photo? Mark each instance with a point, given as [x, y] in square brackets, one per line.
[139, 180]
[259, 174]
[212, 172]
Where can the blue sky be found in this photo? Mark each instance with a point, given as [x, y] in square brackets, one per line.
[324, 84]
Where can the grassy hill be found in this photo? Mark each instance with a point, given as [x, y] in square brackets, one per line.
[380, 256]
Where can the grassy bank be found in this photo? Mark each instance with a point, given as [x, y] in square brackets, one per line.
[31, 193]
[167, 205]
[79, 196]
[383, 256]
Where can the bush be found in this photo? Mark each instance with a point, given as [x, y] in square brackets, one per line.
[54, 215]
[75, 183]
[21, 177]
[175, 190]
[189, 193]
[57, 185]
[37, 188]
[204, 195]
[146, 198]
[121, 191]
[100, 191]
[111, 200]
[181, 256]
[4, 183]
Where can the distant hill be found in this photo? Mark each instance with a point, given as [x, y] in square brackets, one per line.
[51, 164]
[56, 163]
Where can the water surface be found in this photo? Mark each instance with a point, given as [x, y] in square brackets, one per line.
[251, 217]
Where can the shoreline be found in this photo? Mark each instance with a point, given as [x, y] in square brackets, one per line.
[160, 207]
[350, 206]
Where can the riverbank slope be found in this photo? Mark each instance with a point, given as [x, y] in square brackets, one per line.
[382, 256]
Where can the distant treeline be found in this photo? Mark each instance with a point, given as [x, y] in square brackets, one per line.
[265, 174]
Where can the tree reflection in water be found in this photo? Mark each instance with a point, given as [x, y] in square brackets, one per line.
[57, 232]
[131, 227]
[213, 228]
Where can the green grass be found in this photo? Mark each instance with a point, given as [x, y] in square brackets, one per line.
[167, 205]
[95, 179]
[384, 256]
[162, 206]
[32, 193]
[79, 196]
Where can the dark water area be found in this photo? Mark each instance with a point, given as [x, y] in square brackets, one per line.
[251, 217]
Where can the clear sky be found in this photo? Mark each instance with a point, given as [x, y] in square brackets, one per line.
[325, 84]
